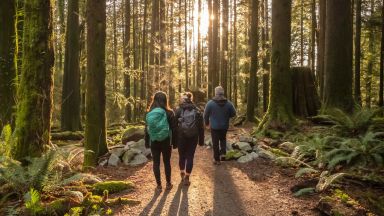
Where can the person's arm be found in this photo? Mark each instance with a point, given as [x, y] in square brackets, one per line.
[201, 129]
[146, 137]
[173, 126]
[232, 110]
[207, 113]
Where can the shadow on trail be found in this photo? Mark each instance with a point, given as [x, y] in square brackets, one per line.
[179, 205]
[226, 197]
[150, 204]
[160, 205]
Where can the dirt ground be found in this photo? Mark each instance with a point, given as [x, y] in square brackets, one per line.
[256, 188]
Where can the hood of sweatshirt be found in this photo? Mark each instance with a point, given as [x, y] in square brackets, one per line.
[220, 100]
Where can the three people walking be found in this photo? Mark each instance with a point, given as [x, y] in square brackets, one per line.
[184, 130]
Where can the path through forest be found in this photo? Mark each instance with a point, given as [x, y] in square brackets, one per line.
[256, 188]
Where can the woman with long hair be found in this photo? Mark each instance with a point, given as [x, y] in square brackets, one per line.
[190, 133]
[160, 135]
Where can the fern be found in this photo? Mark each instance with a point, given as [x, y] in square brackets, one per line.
[304, 191]
[327, 180]
[306, 170]
[32, 202]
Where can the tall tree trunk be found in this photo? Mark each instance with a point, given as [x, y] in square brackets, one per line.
[144, 52]
[321, 56]
[381, 82]
[199, 61]
[358, 52]
[210, 48]
[371, 50]
[171, 85]
[215, 43]
[280, 109]
[7, 64]
[61, 31]
[266, 58]
[32, 131]
[153, 57]
[313, 36]
[186, 45]
[126, 56]
[253, 87]
[136, 53]
[235, 52]
[70, 105]
[338, 62]
[95, 130]
[224, 54]
[301, 33]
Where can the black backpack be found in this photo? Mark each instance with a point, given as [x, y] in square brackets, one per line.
[188, 122]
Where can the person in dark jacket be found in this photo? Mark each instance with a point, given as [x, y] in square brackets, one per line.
[158, 148]
[190, 133]
[217, 113]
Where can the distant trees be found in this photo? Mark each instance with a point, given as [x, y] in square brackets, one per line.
[33, 121]
[95, 125]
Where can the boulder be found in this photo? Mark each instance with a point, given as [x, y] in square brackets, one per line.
[133, 134]
[248, 157]
[266, 154]
[247, 139]
[75, 196]
[129, 155]
[208, 142]
[118, 151]
[113, 160]
[229, 146]
[287, 147]
[138, 160]
[244, 146]
[140, 145]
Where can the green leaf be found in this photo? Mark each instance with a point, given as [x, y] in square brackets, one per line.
[304, 171]
[304, 191]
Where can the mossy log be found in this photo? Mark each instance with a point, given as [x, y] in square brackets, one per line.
[67, 135]
[306, 102]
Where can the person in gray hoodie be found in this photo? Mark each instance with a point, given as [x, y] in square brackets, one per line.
[217, 113]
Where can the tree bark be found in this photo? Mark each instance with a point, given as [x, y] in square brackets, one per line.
[95, 130]
[210, 49]
[321, 58]
[235, 52]
[338, 56]
[70, 105]
[280, 113]
[199, 78]
[32, 131]
[371, 50]
[266, 58]
[126, 56]
[7, 63]
[301, 33]
[358, 52]
[224, 53]
[253, 87]
[381, 82]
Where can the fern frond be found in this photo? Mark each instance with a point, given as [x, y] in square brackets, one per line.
[304, 191]
[325, 181]
[306, 170]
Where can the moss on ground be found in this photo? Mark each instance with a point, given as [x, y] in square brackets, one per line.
[111, 186]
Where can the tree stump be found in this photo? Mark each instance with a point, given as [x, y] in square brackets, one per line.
[306, 101]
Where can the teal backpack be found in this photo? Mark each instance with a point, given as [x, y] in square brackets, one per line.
[157, 124]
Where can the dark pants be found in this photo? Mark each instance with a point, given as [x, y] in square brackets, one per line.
[162, 148]
[187, 148]
[219, 142]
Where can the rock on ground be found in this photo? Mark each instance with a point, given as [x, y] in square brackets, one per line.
[248, 157]
[133, 134]
[138, 160]
[244, 146]
[113, 160]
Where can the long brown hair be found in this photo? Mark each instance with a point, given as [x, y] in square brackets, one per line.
[159, 100]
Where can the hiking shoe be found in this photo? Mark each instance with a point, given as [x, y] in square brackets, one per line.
[159, 188]
[186, 181]
[169, 186]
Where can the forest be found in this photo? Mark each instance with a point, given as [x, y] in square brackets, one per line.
[306, 77]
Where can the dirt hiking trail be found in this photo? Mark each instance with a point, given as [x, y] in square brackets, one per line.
[230, 189]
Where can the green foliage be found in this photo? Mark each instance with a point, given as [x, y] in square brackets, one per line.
[305, 170]
[304, 191]
[327, 180]
[344, 124]
[233, 154]
[111, 186]
[5, 140]
[33, 202]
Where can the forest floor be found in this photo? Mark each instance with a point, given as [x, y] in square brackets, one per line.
[256, 188]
